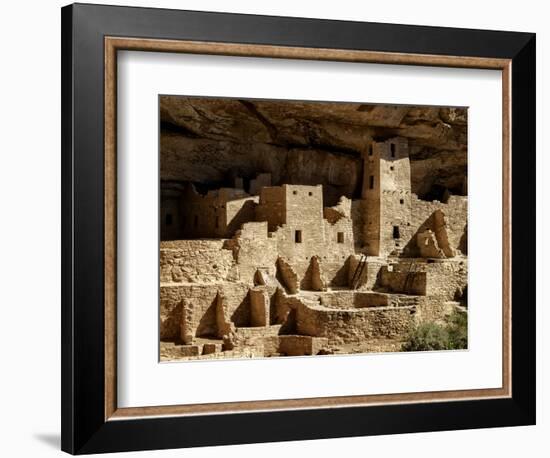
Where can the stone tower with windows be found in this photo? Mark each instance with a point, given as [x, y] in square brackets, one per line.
[387, 195]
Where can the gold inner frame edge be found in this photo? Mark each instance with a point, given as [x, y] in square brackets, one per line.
[114, 44]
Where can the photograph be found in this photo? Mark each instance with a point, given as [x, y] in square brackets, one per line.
[303, 228]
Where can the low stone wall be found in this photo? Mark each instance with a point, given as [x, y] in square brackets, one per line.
[170, 352]
[405, 282]
[262, 346]
[354, 325]
[254, 335]
[353, 299]
[196, 261]
[301, 345]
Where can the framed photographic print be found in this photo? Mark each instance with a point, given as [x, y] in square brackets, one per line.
[282, 228]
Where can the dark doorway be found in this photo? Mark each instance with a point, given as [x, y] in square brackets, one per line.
[396, 234]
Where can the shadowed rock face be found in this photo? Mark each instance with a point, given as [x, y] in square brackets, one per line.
[209, 140]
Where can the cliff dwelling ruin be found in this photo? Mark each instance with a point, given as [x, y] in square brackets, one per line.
[306, 228]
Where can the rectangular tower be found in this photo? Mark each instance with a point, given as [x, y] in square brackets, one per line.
[387, 195]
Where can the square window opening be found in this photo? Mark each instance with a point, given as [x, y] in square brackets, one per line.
[340, 237]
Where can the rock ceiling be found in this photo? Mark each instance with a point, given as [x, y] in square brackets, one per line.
[207, 140]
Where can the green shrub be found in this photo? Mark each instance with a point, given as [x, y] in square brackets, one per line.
[453, 335]
[426, 337]
[458, 331]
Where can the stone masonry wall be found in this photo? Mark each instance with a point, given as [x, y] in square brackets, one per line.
[293, 345]
[456, 216]
[219, 213]
[370, 194]
[336, 272]
[443, 279]
[367, 278]
[238, 212]
[402, 281]
[354, 325]
[195, 261]
[433, 310]
[387, 195]
[346, 299]
[200, 304]
[253, 249]
[291, 230]
[448, 279]
[287, 276]
[302, 232]
[395, 195]
[272, 206]
[259, 307]
[302, 236]
[339, 236]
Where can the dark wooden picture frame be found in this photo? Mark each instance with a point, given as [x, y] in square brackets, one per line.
[91, 37]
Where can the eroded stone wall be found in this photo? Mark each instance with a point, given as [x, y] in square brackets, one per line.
[219, 213]
[259, 307]
[434, 310]
[196, 261]
[200, 301]
[456, 218]
[344, 326]
[339, 231]
[296, 345]
[253, 248]
[272, 207]
[402, 281]
[441, 279]
[357, 299]
[447, 280]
